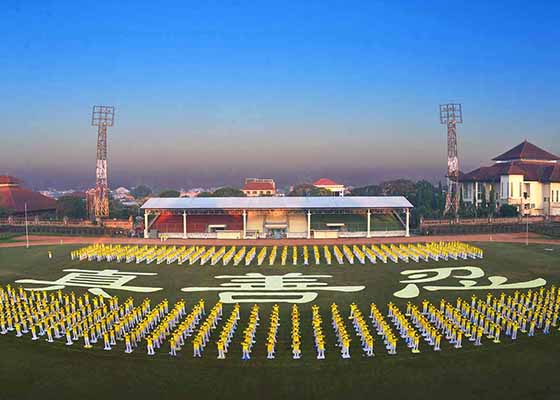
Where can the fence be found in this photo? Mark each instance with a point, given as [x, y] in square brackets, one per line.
[482, 221]
[66, 227]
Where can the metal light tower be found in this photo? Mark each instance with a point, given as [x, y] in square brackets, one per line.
[102, 117]
[451, 115]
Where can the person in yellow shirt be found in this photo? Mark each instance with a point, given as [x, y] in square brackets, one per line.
[106, 343]
[459, 339]
[479, 333]
[150, 345]
[531, 328]
[34, 332]
[68, 338]
[497, 332]
[18, 329]
[320, 350]
[437, 342]
[270, 349]
[197, 344]
[173, 345]
[48, 330]
[87, 344]
[245, 350]
[296, 349]
[221, 349]
[416, 343]
[127, 343]
[514, 329]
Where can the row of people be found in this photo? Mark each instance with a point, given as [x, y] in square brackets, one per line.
[343, 254]
[165, 328]
[406, 330]
[318, 336]
[343, 338]
[383, 329]
[186, 328]
[202, 336]
[228, 330]
[249, 333]
[362, 330]
[296, 336]
[272, 331]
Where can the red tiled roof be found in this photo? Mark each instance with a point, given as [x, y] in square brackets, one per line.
[7, 180]
[325, 182]
[15, 198]
[259, 186]
[532, 171]
[526, 151]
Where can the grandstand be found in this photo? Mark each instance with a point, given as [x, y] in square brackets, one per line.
[276, 217]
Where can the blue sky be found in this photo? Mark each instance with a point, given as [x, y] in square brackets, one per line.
[210, 92]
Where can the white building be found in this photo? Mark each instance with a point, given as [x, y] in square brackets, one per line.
[254, 187]
[336, 188]
[526, 176]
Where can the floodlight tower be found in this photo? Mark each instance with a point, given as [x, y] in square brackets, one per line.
[102, 117]
[451, 115]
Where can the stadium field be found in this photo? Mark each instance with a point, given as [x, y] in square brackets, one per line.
[524, 368]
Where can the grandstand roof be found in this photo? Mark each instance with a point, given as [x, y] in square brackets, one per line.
[253, 203]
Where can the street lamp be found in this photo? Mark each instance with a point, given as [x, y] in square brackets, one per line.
[525, 197]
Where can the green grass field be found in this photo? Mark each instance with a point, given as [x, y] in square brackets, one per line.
[8, 237]
[526, 368]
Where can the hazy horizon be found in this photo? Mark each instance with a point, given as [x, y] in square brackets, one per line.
[209, 94]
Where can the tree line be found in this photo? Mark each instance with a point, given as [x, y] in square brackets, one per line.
[428, 200]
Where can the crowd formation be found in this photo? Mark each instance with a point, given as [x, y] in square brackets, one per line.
[288, 255]
[93, 321]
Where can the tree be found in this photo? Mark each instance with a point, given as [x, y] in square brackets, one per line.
[399, 187]
[5, 212]
[484, 202]
[228, 192]
[492, 203]
[308, 190]
[370, 190]
[204, 194]
[507, 210]
[169, 193]
[141, 191]
[71, 207]
[119, 211]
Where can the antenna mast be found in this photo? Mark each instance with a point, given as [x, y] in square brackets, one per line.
[451, 115]
[102, 117]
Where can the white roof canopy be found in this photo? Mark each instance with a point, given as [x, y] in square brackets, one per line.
[266, 203]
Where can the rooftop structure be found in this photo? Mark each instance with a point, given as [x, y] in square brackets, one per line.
[330, 185]
[15, 198]
[259, 187]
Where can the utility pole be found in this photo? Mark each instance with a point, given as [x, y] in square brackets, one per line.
[26, 228]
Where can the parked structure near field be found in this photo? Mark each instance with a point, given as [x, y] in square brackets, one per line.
[277, 217]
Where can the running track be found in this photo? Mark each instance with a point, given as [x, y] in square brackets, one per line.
[37, 240]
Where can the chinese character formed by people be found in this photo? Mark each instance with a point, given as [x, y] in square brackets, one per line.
[95, 281]
[466, 276]
[292, 287]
